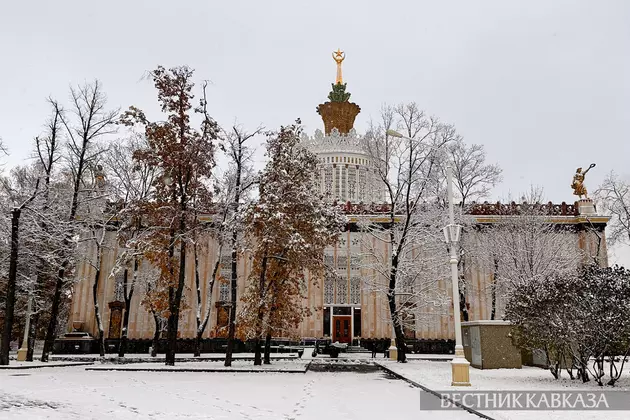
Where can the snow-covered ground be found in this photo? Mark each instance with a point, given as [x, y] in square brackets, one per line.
[73, 393]
[237, 365]
[160, 357]
[437, 376]
[37, 364]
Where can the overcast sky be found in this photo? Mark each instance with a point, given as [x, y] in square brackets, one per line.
[544, 85]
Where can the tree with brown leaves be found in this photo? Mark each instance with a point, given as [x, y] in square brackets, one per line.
[289, 227]
[185, 158]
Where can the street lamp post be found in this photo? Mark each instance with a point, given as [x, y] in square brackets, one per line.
[459, 365]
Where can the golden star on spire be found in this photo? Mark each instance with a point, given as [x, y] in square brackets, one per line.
[338, 56]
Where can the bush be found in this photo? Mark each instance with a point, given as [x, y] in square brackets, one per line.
[577, 319]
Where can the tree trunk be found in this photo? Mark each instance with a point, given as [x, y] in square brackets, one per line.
[97, 312]
[175, 303]
[261, 313]
[493, 291]
[122, 349]
[49, 340]
[257, 352]
[463, 289]
[233, 285]
[198, 344]
[171, 337]
[234, 267]
[462, 306]
[267, 358]
[156, 335]
[32, 332]
[198, 289]
[42, 281]
[201, 329]
[11, 284]
[391, 299]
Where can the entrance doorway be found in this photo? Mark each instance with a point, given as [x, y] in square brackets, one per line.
[342, 331]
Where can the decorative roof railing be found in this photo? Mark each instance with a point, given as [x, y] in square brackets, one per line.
[361, 208]
[513, 209]
[335, 141]
[475, 209]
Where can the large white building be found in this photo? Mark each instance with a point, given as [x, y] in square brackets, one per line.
[342, 307]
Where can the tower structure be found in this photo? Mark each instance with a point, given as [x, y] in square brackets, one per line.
[347, 172]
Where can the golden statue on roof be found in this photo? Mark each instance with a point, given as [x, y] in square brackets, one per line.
[338, 56]
[578, 182]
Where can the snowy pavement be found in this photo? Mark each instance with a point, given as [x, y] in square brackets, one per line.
[73, 393]
[187, 357]
[37, 364]
[437, 377]
[237, 365]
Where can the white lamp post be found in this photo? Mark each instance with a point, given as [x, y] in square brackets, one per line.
[460, 366]
[393, 349]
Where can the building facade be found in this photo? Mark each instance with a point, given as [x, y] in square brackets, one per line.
[342, 307]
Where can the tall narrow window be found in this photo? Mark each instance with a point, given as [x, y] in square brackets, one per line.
[226, 277]
[329, 290]
[224, 291]
[342, 290]
[352, 181]
[326, 321]
[357, 322]
[362, 186]
[328, 182]
[119, 288]
[355, 290]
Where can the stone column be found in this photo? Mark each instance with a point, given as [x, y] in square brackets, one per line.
[347, 196]
[356, 189]
[334, 186]
[340, 182]
[322, 186]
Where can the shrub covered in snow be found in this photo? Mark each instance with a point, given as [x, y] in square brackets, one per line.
[581, 320]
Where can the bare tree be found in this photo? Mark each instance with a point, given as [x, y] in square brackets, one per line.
[20, 203]
[524, 247]
[473, 177]
[421, 268]
[98, 225]
[130, 182]
[473, 180]
[242, 177]
[614, 198]
[85, 123]
[409, 169]
[47, 148]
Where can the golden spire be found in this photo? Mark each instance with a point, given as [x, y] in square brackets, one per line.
[338, 56]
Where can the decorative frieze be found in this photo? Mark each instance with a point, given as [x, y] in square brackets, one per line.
[512, 209]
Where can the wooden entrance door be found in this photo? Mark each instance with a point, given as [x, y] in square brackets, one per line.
[342, 329]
